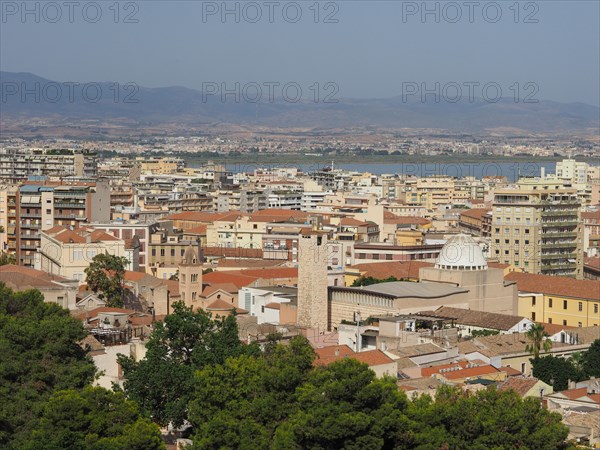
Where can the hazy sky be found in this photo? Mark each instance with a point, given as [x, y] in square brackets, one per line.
[371, 50]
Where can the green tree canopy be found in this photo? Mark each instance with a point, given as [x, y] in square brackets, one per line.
[105, 276]
[555, 371]
[187, 340]
[39, 354]
[93, 419]
[278, 401]
[6, 258]
[367, 281]
[591, 364]
[488, 419]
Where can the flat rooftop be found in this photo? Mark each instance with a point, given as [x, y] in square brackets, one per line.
[403, 289]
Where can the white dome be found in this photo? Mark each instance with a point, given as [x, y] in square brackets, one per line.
[461, 252]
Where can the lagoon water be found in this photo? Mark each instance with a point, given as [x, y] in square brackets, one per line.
[478, 170]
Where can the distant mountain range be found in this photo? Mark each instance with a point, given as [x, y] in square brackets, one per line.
[61, 103]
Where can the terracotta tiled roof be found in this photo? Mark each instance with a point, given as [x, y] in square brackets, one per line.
[238, 252]
[222, 305]
[272, 272]
[351, 221]
[475, 213]
[327, 355]
[554, 285]
[248, 263]
[476, 318]
[592, 262]
[204, 217]
[391, 218]
[462, 370]
[553, 328]
[580, 393]
[510, 371]
[201, 230]
[233, 277]
[590, 215]
[521, 385]
[398, 269]
[21, 278]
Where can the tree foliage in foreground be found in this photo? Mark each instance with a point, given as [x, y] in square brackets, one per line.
[106, 277]
[93, 419]
[162, 382]
[278, 401]
[39, 354]
[45, 399]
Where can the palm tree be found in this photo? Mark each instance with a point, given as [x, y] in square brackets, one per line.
[578, 360]
[539, 339]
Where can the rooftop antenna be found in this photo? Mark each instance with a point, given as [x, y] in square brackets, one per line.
[332, 165]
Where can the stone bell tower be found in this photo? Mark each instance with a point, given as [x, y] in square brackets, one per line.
[190, 278]
[312, 280]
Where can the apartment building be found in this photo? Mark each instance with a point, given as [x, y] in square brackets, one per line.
[244, 200]
[35, 207]
[476, 222]
[126, 231]
[18, 165]
[572, 171]
[537, 228]
[67, 253]
[558, 300]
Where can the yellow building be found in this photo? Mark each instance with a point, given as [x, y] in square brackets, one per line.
[558, 300]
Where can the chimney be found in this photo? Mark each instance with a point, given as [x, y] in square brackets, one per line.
[572, 384]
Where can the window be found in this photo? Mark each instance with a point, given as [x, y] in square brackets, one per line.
[580, 306]
[533, 301]
[497, 241]
[48, 211]
[564, 304]
[549, 303]
[507, 241]
[194, 277]
[388, 256]
[579, 324]
[153, 252]
[523, 367]
[172, 252]
[516, 242]
[564, 322]
[526, 230]
[262, 309]
[549, 319]
[596, 308]
[497, 230]
[507, 231]
[526, 241]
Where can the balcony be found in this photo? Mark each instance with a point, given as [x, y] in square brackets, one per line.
[546, 256]
[29, 247]
[30, 236]
[68, 205]
[562, 223]
[559, 213]
[551, 245]
[69, 217]
[559, 266]
[562, 234]
[31, 216]
[32, 226]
